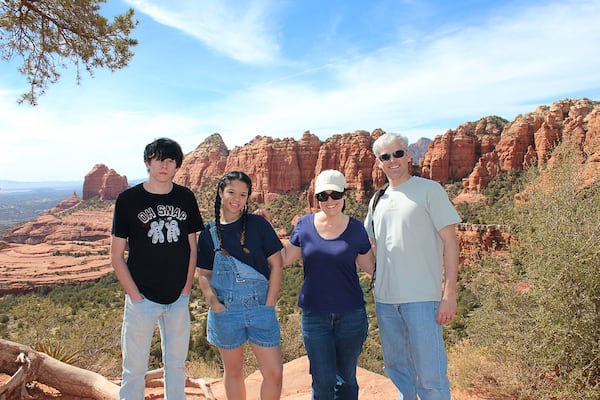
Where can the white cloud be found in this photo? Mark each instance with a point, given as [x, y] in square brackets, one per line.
[239, 30]
[503, 67]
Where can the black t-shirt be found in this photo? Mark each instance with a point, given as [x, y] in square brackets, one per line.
[157, 228]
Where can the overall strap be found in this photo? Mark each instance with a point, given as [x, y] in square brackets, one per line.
[241, 270]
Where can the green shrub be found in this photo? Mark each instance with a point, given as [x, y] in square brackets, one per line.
[543, 306]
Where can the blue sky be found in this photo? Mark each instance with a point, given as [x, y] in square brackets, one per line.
[281, 67]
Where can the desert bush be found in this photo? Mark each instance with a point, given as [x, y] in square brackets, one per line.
[70, 320]
[543, 306]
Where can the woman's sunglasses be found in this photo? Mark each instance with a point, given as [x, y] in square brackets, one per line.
[396, 154]
[323, 196]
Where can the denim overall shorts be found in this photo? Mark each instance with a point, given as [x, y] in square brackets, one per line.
[243, 291]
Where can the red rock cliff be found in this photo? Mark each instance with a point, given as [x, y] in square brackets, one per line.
[280, 165]
[477, 152]
[204, 164]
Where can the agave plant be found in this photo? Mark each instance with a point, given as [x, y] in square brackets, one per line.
[57, 351]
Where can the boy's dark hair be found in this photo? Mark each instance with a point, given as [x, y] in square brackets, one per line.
[164, 148]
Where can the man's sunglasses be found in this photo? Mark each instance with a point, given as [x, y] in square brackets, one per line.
[323, 196]
[396, 154]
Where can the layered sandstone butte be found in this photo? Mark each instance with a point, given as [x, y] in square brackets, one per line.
[278, 166]
[477, 152]
[84, 226]
[477, 241]
[451, 156]
[103, 182]
[474, 153]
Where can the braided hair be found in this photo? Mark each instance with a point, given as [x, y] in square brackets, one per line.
[224, 182]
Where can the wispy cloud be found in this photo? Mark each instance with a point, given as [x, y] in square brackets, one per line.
[240, 30]
[501, 66]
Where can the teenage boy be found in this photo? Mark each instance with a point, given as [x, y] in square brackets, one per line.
[156, 222]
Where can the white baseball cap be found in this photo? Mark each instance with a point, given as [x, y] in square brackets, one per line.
[330, 179]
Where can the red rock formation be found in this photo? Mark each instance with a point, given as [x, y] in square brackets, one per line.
[205, 164]
[591, 146]
[69, 202]
[103, 182]
[477, 152]
[278, 166]
[85, 226]
[272, 164]
[476, 241]
[452, 156]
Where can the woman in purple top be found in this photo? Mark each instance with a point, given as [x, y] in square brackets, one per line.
[334, 318]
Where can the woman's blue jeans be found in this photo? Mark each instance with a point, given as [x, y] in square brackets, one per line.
[333, 342]
[414, 354]
[139, 321]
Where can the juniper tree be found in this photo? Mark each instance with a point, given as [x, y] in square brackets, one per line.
[49, 35]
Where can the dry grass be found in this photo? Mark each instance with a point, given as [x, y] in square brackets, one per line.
[473, 369]
[202, 369]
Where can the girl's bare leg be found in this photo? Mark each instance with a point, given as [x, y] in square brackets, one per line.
[270, 365]
[233, 376]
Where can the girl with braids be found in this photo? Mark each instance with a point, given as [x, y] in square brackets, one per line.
[240, 274]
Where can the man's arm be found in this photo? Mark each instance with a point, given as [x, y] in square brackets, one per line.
[447, 309]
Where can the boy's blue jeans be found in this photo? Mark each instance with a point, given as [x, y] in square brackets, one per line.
[414, 354]
[333, 343]
[139, 321]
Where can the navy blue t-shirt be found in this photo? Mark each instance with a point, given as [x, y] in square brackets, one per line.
[331, 281]
[261, 240]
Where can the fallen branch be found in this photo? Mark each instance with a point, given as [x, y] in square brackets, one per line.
[42, 368]
[17, 381]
